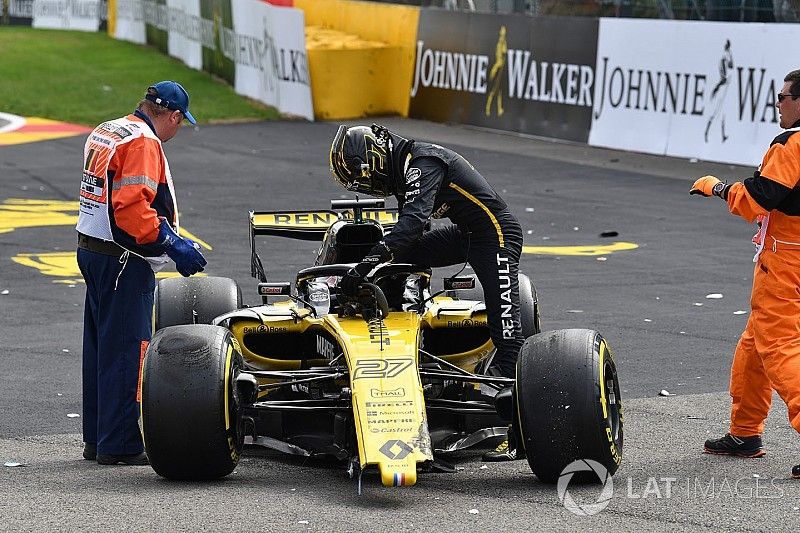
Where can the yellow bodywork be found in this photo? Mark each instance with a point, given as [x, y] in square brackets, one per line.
[388, 405]
[387, 395]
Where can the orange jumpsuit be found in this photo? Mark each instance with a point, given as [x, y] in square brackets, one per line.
[768, 353]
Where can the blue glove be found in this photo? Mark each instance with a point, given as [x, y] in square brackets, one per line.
[185, 253]
[379, 253]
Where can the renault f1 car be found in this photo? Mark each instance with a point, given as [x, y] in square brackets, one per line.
[391, 379]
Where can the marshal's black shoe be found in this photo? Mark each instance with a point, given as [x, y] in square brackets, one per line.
[136, 459]
[737, 446]
[89, 451]
[505, 451]
[796, 472]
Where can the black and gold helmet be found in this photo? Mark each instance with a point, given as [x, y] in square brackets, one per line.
[361, 161]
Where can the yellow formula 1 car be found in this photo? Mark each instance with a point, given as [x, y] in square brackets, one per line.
[391, 379]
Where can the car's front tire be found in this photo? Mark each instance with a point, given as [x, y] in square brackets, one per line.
[191, 415]
[568, 402]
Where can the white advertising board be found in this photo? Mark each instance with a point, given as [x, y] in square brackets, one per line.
[270, 56]
[184, 39]
[129, 21]
[83, 15]
[690, 89]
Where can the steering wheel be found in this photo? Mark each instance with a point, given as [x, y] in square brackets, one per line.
[366, 289]
[369, 301]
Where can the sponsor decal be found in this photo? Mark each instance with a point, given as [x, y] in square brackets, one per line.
[439, 213]
[20, 8]
[466, 323]
[263, 329]
[326, 348]
[707, 94]
[319, 296]
[505, 72]
[384, 421]
[270, 290]
[320, 219]
[392, 412]
[412, 194]
[377, 332]
[506, 305]
[93, 186]
[394, 393]
[114, 130]
[560, 83]
[396, 449]
[375, 405]
[413, 174]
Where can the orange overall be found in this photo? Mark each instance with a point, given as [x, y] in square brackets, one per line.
[768, 353]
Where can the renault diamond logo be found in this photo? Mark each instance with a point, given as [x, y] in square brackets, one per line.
[396, 449]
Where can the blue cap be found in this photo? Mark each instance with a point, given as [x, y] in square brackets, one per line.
[172, 95]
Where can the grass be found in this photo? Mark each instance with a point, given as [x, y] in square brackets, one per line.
[86, 78]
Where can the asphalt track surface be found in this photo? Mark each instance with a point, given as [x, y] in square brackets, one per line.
[645, 301]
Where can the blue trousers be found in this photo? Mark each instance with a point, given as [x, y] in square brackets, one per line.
[117, 326]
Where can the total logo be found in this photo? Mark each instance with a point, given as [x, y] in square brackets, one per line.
[591, 468]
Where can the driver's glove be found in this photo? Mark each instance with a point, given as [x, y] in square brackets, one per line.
[352, 279]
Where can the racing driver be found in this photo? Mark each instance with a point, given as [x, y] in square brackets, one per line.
[430, 181]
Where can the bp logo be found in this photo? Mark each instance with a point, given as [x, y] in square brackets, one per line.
[581, 508]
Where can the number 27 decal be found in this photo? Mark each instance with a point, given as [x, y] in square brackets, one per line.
[381, 368]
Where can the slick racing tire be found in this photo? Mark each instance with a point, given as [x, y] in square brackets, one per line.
[568, 402]
[194, 300]
[528, 303]
[191, 415]
[528, 307]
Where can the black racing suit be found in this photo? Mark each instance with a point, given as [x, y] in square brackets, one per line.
[440, 183]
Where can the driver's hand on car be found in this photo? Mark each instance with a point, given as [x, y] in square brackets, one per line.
[353, 278]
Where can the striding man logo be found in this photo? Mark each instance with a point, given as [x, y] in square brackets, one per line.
[496, 74]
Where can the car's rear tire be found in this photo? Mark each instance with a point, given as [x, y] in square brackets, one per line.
[196, 300]
[568, 402]
[528, 307]
[191, 416]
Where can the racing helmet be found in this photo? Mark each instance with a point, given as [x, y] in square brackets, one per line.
[361, 161]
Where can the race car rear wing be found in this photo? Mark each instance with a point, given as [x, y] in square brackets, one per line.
[312, 225]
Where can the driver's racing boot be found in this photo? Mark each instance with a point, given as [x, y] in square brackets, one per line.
[506, 450]
[739, 446]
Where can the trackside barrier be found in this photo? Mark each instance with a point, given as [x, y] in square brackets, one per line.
[679, 88]
[360, 56]
[690, 89]
[516, 73]
[255, 46]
